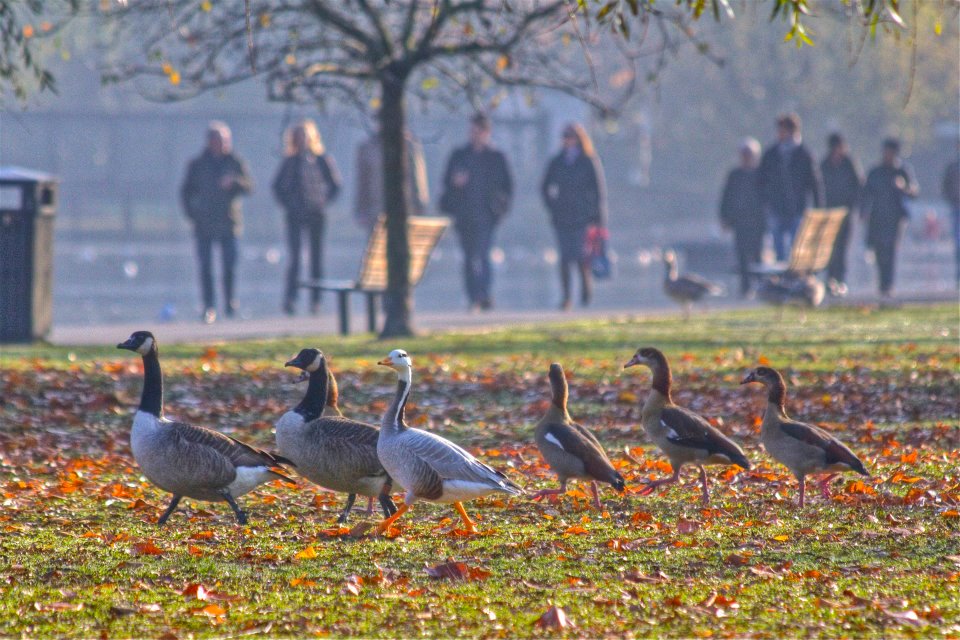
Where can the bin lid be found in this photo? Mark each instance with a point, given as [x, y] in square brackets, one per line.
[20, 174]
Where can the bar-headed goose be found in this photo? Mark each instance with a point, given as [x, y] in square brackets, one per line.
[187, 460]
[569, 448]
[680, 433]
[430, 467]
[801, 447]
[334, 452]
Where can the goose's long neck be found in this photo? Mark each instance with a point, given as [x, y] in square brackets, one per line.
[662, 381]
[777, 397]
[333, 394]
[672, 272]
[311, 407]
[393, 420]
[558, 406]
[151, 400]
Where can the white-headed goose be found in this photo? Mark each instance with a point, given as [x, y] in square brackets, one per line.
[187, 460]
[334, 452]
[431, 468]
[569, 448]
[680, 433]
[801, 447]
[685, 289]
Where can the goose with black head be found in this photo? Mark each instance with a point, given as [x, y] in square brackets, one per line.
[329, 450]
[188, 460]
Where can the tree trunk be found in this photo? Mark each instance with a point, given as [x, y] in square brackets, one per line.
[397, 301]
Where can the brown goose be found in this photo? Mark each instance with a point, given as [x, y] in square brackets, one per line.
[686, 289]
[680, 433]
[431, 468]
[800, 447]
[332, 451]
[187, 460]
[569, 448]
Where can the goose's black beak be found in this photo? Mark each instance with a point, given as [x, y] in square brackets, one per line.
[128, 344]
[291, 363]
[751, 377]
[634, 361]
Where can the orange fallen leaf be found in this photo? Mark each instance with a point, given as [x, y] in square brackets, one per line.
[146, 549]
[197, 591]
[307, 554]
[457, 571]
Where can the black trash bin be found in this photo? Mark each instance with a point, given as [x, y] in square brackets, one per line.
[28, 203]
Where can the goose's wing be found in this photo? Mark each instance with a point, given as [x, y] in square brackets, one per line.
[451, 462]
[350, 442]
[577, 441]
[214, 449]
[687, 429]
[835, 452]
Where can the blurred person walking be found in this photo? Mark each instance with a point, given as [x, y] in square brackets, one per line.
[368, 198]
[742, 212]
[884, 208]
[842, 182]
[788, 179]
[951, 193]
[305, 184]
[210, 195]
[574, 192]
[477, 191]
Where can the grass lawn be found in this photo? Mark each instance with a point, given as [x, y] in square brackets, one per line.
[81, 555]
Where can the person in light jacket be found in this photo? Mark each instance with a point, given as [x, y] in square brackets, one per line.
[305, 184]
[574, 193]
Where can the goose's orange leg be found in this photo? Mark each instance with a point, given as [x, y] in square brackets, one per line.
[470, 526]
[383, 526]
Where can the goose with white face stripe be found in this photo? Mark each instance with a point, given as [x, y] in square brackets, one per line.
[186, 460]
[680, 433]
[431, 468]
[569, 448]
[329, 450]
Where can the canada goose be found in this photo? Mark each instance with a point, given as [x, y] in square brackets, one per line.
[430, 467]
[187, 460]
[331, 451]
[569, 448]
[680, 433]
[802, 448]
[685, 289]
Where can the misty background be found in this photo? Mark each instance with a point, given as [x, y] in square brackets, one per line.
[124, 249]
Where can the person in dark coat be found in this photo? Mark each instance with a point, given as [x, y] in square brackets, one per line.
[742, 212]
[477, 190]
[951, 193]
[842, 182]
[210, 195]
[788, 180]
[884, 208]
[574, 193]
[305, 184]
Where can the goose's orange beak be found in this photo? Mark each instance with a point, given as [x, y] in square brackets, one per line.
[386, 362]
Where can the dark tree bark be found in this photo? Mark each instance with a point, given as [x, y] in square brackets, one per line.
[397, 300]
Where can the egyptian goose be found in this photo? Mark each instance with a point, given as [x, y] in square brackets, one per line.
[680, 433]
[187, 460]
[569, 448]
[801, 447]
[431, 468]
[332, 451]
[685, 289]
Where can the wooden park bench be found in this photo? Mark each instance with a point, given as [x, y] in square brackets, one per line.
[809, 255]
[423, 233]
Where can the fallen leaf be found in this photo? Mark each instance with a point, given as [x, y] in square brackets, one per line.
[554, 618]
[457, 571]
[146, 549]
[197, 591]
[307, 554]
